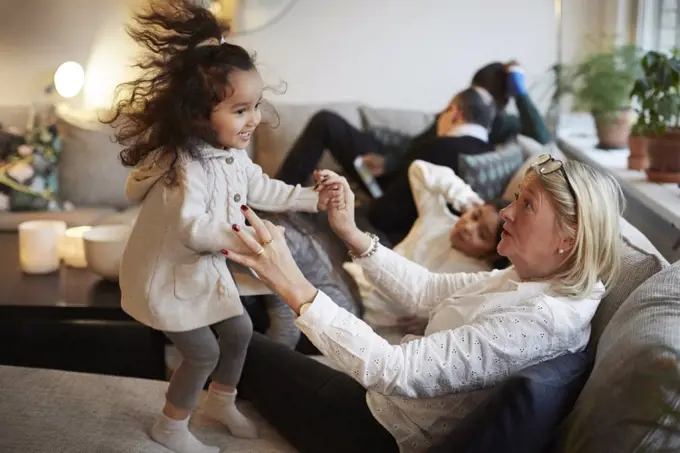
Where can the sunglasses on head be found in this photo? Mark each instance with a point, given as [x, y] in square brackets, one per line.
[546, 164]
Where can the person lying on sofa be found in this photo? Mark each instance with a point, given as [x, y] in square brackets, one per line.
[440, 241]
[327, 130]
[562, 236]
[468, 120]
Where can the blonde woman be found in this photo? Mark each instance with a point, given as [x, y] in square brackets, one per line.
[561, 235]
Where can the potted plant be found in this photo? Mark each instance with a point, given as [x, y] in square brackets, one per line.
[657, 93]
[637, 144]
[601, 84]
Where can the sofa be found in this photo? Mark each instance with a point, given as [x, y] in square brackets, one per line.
[50, 410]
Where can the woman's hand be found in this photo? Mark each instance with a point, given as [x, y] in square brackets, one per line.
[272, 261]
[341, 213]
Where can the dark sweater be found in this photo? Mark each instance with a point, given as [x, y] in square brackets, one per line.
[395, 212]
[505, 126]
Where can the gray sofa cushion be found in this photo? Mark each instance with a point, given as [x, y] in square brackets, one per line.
[639, 261]
[58, 411]
[282, 125]
[410, 122]
[620, 388]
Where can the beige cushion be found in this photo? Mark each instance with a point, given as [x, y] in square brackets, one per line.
[625, 384]
[411, 122]
[275, 136]
[16, 116]
[90, 171]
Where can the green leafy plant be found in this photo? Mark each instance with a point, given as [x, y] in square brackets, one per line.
[657, 93]
[602, 81]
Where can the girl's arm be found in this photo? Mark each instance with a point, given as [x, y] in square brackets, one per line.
[272, 195]
[431, 183]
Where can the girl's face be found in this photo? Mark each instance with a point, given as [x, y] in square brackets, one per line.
[236, 117]
[476, 232]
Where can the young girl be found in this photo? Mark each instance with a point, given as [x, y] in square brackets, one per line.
[185, 125]
[439, 240]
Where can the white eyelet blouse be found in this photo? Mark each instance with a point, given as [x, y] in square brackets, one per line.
[482, 327]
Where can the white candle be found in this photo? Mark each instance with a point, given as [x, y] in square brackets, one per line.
[72, 248]
[39, 245]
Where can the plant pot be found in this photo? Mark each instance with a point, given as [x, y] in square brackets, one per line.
[638, 158]
[613, 130]
[664, 157]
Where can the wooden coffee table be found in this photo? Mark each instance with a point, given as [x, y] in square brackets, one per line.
[71, 320]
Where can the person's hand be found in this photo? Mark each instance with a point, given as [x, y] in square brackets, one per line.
[271, 259]
[329, 193]
[471, 204]
[516, 82]
[341, 214]
[375, 163]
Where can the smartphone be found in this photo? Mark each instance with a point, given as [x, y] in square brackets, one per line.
[367, 177]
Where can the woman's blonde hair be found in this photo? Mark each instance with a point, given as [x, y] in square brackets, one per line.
[592, 221]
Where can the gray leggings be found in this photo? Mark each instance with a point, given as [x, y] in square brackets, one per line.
[203, 354]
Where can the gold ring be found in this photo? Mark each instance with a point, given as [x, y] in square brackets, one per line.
[268, 242]
[260, 252]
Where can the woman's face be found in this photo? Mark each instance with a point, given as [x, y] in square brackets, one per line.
[476, 231]
[531, 237]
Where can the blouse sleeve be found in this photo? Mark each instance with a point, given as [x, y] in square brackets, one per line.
[472, 356]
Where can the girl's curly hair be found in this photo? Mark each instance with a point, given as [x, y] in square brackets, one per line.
[185, 74]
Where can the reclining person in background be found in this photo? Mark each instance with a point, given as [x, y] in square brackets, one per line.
[440, 241]
[327, 130]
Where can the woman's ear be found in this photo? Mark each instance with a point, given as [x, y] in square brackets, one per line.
[567, 244]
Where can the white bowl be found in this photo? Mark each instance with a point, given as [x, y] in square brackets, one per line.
[72, 248]
[104, 247]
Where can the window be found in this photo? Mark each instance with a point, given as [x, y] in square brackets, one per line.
[658, 24]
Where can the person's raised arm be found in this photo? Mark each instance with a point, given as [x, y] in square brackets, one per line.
[272, 195]
[430, 184]
[530, 122]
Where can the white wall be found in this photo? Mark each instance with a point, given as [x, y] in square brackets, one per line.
[389, 53]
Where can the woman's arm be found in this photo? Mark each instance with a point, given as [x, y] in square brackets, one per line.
[268, 194]
[406, 283]
[431, 183]
[472, 356]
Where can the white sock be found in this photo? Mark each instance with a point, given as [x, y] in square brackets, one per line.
[222, 406]
[175, 435]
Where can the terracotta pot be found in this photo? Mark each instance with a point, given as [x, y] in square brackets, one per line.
[664, 157]
[613, 132]
[638, 159]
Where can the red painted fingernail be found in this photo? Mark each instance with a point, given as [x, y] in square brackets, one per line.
[244, 207]
[225, 252]
[236, 228]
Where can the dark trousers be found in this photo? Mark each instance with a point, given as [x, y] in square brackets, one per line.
[327, 131]
[314, 407]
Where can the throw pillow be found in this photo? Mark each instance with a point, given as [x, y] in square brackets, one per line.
[488, 174]
[28, 169]
[522, 414]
